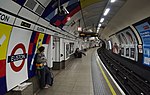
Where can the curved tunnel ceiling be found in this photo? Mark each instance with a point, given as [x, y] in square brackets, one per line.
[85, 8]
[92, 13]
[84, 13]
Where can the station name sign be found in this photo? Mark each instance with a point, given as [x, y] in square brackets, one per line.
[6, 18]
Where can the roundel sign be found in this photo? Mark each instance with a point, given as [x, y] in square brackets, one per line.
[16, 57]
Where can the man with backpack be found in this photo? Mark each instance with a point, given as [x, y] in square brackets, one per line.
[78, 53]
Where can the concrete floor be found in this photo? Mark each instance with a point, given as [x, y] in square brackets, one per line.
[76, 79]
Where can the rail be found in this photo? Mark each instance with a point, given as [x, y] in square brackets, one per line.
[129, 81]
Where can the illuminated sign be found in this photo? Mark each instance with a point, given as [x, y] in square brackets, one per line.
[88, 34]
[79, 28]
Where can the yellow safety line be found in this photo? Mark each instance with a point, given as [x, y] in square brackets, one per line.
[109, 84]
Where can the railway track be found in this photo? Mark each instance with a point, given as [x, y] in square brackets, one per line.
[127, 79]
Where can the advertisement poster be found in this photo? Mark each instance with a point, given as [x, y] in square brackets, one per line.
[132, 52]
[120, 39]
[122, 51]
[115, 44]
[128, 42]
[5, 31]
[124, 38]
[132, 44]
[122, 43]
[16, 67]
[144, 31]
[127, 51]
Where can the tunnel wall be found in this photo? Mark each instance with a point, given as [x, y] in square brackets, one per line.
[131, 13]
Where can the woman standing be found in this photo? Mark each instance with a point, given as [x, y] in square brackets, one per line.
[43, 71]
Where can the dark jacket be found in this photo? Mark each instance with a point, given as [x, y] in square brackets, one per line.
[41, 59]
[78, 54]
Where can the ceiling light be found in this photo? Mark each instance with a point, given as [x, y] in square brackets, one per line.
[79, 28]
[102, 19]
[98, 28]
[106, 11]
[99, 25]
[112, 1]
[97, 31]
[68, 18]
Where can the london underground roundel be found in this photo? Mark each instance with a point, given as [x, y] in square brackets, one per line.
[16, 57]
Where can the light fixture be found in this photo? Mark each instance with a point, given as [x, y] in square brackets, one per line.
[68, 18]
[97, 31]
[79, 28]
[102, 19]
[99, 25]
[106, 11]
[112, 1]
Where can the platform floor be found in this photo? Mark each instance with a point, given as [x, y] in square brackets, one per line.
[77, 79]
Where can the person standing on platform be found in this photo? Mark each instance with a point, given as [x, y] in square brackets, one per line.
[43, 72]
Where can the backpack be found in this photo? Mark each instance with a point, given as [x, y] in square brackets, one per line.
[80, 55]
[52, 76]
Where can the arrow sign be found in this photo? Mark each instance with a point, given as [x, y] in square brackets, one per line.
[2, 39]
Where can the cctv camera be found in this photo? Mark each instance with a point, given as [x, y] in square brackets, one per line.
[62, 11]
[65, 10]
